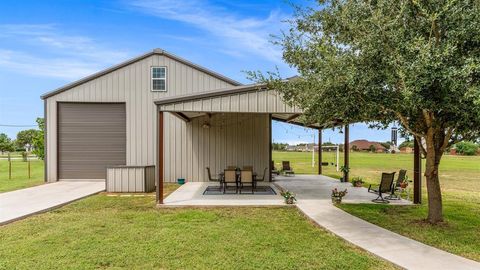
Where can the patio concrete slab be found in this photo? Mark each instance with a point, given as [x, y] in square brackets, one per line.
[313, 193]
[22, 203]
[191, 194]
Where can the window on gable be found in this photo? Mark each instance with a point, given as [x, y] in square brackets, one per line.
[159, 79]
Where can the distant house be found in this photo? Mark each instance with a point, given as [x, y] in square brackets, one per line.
[365, 145]
[291, 148]
[406, 149]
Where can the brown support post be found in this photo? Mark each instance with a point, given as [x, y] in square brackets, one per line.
[270, 147]
[160, 157]
[319, 151]
[346, 152]
[417, 173]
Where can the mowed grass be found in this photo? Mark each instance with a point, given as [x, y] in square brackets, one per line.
[460, 181]
[131, 233]
[20, 175]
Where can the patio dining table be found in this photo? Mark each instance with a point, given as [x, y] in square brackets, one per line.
[237, 173]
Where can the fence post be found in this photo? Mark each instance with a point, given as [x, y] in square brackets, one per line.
[29, 174]
[9, 167]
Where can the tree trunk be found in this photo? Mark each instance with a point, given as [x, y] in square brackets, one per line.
[434, 152]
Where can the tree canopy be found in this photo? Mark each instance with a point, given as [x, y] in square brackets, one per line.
[38, 140]
[6, 144]
[26, 137]
[415, 62]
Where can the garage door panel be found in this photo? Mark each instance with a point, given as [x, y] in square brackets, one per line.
[91, 137]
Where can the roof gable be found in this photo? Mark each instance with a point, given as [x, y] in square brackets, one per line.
[134, 60]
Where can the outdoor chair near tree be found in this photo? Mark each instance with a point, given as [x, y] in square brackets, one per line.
[286, 169]
[396, 187]
[274, 170]
[386, 186]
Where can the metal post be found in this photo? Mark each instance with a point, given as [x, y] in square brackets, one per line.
[160, 149]
[346, 152]
[417, 173]
[320, 151]
[270, 148]
[313, 151]
[9, 167]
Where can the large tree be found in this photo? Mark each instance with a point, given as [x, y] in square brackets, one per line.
[25, 138]
[412, 61]
[6, 144]
[38, 140]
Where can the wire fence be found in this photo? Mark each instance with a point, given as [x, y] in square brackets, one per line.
[12, 165]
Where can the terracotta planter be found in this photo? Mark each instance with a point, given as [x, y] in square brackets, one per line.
[336, 200]
[358, 184]
[289, 201]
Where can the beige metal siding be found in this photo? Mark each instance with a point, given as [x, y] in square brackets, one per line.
[91, 137]
[131, 84]
[256, 101]
[131, 179]
[232, 139]
[150, 179]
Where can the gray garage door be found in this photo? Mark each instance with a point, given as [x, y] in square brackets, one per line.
[91, 136]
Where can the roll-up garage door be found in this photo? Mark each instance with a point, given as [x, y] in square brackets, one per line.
[91, 137]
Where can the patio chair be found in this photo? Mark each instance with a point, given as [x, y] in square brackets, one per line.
[400, 180]
[260, 179]
[274, 170]
[286, 169]
[386, 185]
[213, 179]
[246, 179]
[230, 177]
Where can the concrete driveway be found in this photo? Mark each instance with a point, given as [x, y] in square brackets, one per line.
[22, 203]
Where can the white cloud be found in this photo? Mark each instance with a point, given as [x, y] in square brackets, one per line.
[238, 35]
[43, 50]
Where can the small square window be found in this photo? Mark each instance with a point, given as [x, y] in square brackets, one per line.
[159, 79]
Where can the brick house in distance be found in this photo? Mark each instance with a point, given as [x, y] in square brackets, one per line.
[365, 145]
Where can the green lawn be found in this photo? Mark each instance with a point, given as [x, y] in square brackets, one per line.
[460, 178]
[130, 233]
[20, 175]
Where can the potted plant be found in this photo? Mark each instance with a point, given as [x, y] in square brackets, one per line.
[357, 181]
[404, 184]
[344, 170]
[289, 196]
[337, 195]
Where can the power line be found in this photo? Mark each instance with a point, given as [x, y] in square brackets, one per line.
[3, 125]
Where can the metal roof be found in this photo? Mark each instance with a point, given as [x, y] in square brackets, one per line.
[210, 94]
[136, 59]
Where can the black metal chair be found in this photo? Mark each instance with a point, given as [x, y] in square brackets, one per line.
[400, 180]
[260, 179]
[386, 186]
[214, 179]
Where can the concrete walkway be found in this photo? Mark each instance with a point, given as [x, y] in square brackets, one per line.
[21, 203]
[314, 202]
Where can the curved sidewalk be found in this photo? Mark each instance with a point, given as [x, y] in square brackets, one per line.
[407, 253]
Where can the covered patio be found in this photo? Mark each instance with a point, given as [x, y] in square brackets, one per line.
[232, 126]
[306, 187]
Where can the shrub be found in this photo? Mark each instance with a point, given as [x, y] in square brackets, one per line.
[466, 148]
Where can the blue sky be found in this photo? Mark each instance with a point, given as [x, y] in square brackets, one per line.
[44, 46]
